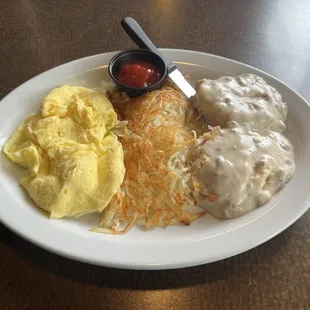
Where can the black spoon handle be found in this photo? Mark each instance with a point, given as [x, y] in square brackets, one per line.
[136, 33]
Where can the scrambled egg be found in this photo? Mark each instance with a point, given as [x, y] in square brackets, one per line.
[75, 161]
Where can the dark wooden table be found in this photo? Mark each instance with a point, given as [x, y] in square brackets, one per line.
[271, 35]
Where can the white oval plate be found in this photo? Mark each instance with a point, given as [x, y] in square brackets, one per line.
[206, 240]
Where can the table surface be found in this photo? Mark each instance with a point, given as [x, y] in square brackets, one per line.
[271, 35]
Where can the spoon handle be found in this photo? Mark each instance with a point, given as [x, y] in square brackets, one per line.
[136, 33]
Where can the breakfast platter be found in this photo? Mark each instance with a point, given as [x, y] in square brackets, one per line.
[145, 246]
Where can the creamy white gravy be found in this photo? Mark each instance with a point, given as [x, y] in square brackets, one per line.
[244, 99]
[249, 160]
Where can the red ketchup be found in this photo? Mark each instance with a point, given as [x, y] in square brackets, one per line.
[138, 73]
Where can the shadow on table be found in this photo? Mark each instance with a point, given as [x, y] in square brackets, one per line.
[147, 280]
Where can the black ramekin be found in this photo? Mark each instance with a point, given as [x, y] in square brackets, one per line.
[137, 54]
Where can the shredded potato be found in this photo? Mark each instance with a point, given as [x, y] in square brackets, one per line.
[158, 188]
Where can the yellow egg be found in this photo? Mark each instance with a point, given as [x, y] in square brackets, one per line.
[75, 161]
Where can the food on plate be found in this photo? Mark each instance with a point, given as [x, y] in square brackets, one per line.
[249, 160]
[244, 99]
[75, 161]
[138, 73]
[240, 169]
[157, 186]
[167, 159]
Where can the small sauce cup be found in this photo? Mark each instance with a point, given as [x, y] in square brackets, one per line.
[137, 55]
